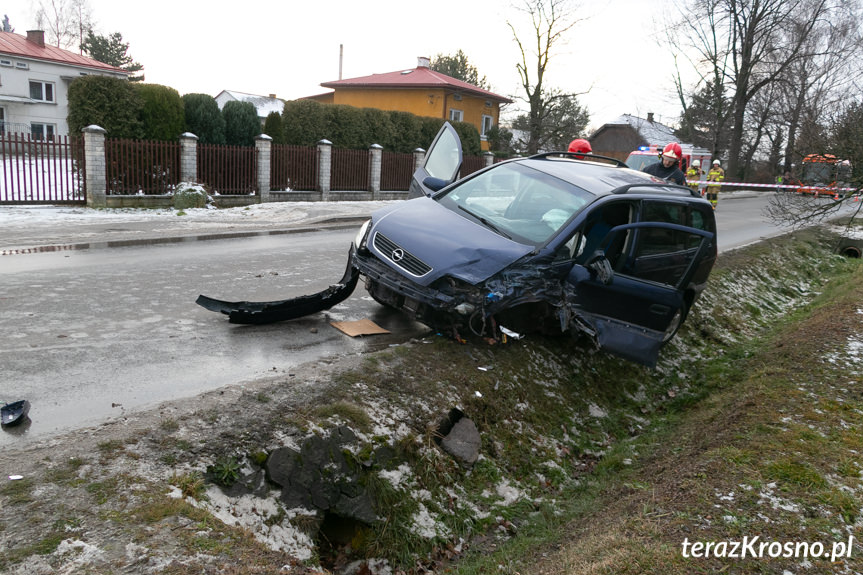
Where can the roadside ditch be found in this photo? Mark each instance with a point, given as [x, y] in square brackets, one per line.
[415, 459]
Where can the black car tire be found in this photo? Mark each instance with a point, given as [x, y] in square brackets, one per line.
[675, 324]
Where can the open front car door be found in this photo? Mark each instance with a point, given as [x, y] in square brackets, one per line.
[441, 166]
[636, 289]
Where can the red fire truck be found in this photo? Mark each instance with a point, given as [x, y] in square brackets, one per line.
[646, 155]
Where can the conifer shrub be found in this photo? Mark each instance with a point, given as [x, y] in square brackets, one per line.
[273, 127]
[162, 112]
[241, 123]
[204, 119]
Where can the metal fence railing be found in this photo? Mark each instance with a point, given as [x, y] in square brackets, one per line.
[38, 171]
[141, 167]
[350, 170]
[293, 168]
[471, 164]
[396, 171]
[228, 170]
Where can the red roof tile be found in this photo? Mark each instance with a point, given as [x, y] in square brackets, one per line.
[12, 44]
[420, 77]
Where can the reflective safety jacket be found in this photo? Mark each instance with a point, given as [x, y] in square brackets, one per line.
[716, 174]
[692, 177]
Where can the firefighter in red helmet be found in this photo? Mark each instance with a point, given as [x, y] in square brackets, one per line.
[667, 167]
[580, 146]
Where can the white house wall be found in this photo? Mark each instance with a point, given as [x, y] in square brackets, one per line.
[15, 83]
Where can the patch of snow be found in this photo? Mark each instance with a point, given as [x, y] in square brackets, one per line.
[252, 513]
[424, 525]
[509, 493]
[596, 411]
[396, 476]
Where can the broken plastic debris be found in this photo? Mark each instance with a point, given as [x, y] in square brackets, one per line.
[477, 393]
[510, 333]
[15, 477]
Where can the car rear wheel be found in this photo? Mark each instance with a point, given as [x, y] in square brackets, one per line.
[675, 324]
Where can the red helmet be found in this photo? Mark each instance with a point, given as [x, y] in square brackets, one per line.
[580, 146]
[672, 151]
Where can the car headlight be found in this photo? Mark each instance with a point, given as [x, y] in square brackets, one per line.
[360, 239]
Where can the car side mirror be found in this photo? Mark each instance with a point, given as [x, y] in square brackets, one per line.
[598, 264]
[434, 184]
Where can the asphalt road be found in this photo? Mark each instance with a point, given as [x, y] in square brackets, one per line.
[90, 334]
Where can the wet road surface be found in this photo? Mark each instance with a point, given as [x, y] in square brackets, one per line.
[88, 334]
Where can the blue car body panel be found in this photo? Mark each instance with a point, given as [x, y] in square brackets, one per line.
[446, 241]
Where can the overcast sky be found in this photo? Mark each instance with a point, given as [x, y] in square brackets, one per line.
[289, 47]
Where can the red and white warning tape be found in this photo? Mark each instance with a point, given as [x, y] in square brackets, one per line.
[775, 186]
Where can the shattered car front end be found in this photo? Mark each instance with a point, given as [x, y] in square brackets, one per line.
[552, 243]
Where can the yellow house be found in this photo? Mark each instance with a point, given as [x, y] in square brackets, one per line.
[423, 92]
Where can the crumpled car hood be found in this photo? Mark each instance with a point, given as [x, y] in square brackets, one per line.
[449, 243]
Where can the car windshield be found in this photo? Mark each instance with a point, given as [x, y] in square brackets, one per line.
[640, 161]
[517, 202]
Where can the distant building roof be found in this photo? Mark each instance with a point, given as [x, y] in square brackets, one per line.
[654, 133]
[420, 77]
[33, 47]
[263, 104]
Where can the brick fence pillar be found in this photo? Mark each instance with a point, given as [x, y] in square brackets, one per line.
[94, 166]
[188, 157]
[419, 158]
[375, 161]
[325, 168]
[264, 145]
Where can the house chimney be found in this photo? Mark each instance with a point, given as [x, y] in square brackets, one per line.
[37, 37]
[423, 62]
[650, 117]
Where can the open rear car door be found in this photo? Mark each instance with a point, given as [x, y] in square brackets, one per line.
[441, 166]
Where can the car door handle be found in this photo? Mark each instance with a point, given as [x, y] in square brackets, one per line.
[660, 309]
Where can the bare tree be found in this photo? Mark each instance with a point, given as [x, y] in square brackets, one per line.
[550, 21]
[746, 44]
[818, 83]
[65, 21]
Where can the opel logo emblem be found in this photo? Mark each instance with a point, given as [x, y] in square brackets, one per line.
[398, 255]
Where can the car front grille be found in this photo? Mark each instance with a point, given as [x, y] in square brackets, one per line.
[400, 257]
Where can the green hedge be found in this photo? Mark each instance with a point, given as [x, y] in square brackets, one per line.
[155, 112]
[110, 103]
[306, 122]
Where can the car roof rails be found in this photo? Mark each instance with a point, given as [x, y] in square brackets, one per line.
[675, 187]
[579, 156]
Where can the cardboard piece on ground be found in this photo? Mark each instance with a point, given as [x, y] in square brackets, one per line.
[359, 327]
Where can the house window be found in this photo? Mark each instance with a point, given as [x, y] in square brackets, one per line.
[42, 131]
[455, 115]
[5, 62]
[42, 91]
[487, 123]
[3, 121]
[22, 65]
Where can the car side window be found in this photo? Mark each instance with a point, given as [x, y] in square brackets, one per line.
[663, 255]
[588, 238]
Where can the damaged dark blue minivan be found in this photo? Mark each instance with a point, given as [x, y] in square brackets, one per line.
[554, 242]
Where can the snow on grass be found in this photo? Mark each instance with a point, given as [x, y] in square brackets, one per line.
[254, 514]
